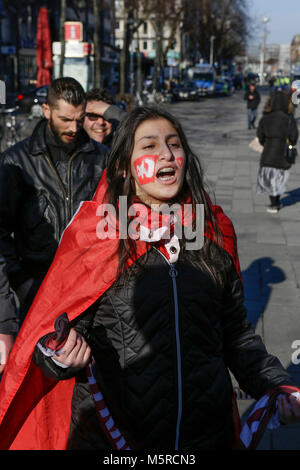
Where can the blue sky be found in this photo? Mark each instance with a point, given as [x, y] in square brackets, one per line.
[284, 19]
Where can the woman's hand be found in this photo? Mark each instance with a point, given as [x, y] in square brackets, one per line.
[6, 343]
[76, 351]
[288, 409]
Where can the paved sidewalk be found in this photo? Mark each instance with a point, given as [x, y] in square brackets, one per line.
[269, 244]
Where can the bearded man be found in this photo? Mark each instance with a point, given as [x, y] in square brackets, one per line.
[43, 179]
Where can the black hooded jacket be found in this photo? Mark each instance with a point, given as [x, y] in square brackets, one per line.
[274, 128]
[252, 104]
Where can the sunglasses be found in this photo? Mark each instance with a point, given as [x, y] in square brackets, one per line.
[93, 116]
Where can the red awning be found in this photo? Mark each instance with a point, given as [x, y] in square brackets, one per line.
[43, 49]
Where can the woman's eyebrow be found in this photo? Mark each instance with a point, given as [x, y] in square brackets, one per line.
[169, 136]
[148, 137]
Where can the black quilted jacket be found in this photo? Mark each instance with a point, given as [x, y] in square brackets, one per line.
[163, 338]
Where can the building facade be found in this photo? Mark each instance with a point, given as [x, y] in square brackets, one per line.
[18, 28]
[145, 36]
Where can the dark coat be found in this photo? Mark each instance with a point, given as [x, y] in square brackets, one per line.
[273, 130]
[37, 201]
[252, 104]
[167, 369]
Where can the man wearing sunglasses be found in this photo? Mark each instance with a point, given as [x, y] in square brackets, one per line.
[102, 116]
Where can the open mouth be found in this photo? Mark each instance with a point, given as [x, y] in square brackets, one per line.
[70, 137]
[166, 175]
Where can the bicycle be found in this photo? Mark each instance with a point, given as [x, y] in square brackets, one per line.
[10, 128]
[152, 97]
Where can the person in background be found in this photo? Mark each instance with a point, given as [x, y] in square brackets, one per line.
[276, 125]
[102, 116]
[43, 179]
[252, 97]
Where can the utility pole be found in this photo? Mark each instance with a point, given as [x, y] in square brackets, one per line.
[263, 49]
[211, 59]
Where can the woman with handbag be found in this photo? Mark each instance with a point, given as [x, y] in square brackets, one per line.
[277, 131]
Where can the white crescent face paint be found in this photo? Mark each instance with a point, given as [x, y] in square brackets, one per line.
[157, 161]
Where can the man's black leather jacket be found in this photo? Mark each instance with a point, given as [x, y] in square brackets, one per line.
[38, 199]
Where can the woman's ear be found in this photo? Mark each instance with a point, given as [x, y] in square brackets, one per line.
[124, 174]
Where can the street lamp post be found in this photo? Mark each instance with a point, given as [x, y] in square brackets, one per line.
[263, 49]
[211, 59]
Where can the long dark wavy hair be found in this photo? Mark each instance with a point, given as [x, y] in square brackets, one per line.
[118, 165]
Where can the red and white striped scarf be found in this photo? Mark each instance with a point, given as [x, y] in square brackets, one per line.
[264, 409]
[53, 344]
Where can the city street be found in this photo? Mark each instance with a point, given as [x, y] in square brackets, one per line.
[269, 244]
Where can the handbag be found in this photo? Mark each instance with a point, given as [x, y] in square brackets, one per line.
[255, 145]
[290, 152]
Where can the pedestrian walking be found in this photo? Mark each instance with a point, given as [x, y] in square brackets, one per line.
[252, 96]
[43, 179]
[102, 116]
[275, 127]
[153, 320]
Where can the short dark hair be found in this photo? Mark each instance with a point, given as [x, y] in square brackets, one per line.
[65, 88]
[100, 94]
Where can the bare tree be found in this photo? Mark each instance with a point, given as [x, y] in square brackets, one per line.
[97, 63]
[227, 20]
[165, 17]
[63, 7]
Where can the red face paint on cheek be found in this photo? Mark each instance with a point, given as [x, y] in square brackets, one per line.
[179, 161]
[145, 168]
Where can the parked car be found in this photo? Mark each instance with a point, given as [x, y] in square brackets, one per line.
[25, 100]
[221, 87]
[187, 90]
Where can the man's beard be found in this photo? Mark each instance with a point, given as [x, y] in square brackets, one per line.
[67, 146]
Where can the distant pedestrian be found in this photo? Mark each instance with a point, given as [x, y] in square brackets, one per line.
[253, 99]
[276, 125]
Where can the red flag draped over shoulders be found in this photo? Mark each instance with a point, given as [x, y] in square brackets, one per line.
[35, 411]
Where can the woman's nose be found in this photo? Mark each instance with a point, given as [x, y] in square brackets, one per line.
[166, 153]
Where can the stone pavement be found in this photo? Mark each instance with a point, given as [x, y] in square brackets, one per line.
[268, 244]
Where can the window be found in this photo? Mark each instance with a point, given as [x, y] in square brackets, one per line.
[145, 28]
[145, 45]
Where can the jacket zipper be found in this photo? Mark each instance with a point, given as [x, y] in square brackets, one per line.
[173, 273]
[69, 184]
[67, 193]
